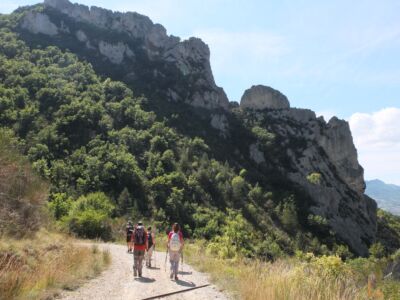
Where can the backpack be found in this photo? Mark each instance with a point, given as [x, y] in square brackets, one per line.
[175, 242]
[139, 237]
[150, 239]
[129, 230]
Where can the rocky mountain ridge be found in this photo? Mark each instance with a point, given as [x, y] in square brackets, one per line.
[190, 58]
[131, 48]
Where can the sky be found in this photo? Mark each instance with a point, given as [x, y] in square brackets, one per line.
[335, 57]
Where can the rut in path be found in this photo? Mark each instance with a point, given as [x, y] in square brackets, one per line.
[117, 282]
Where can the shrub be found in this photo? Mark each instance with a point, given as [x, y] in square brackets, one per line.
[314, 178]
[90, 216]
[60, 205]
[90, 224]
[377, 250]
[287, 213]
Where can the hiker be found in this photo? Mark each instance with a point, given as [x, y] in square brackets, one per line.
[151, 245]
[139, 239]
[129, 231]
[175, 246]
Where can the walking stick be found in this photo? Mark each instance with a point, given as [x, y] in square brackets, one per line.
[182, 262]
[165, 263]
[155, 256]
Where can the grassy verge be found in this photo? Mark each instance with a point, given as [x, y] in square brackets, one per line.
[308, 278]
[38, 268]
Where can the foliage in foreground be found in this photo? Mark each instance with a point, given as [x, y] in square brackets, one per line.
[37, 268]
[305, 276]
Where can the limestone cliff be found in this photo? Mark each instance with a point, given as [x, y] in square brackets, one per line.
[137, 45]
[314, 146]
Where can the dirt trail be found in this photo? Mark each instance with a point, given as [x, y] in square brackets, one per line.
[117, 282]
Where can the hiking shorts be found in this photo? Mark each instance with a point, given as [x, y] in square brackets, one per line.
[128, 238]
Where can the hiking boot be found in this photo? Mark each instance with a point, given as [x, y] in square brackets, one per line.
[150, 264]
[176, 277]
[140, 274]
[134, 272]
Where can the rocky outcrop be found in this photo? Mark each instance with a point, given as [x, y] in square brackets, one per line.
[312, 145]
[220, 122]
[39, 23]
[261, 97]
[255, 154]
[163, 53]
[337, 142]
[115, 52]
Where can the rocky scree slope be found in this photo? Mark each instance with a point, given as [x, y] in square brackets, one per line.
[131, 48]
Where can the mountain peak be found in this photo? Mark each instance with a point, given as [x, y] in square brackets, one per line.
[263, 97]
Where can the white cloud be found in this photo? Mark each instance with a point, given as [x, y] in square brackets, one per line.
[377, 138]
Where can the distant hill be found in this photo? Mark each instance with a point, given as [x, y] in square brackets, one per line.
[387, 195]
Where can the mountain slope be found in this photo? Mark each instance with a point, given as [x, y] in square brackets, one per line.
[386, 195]
[293, 176]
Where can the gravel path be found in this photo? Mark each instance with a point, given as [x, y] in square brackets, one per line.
[117, 282]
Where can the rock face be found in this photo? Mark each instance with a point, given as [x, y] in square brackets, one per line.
[261, 97]
[255, 153]
[220, 122]
[39, 23]
[114, 52]
[337, 143]
[165, 59]
[312, 145]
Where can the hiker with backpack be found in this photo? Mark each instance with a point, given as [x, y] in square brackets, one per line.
[139, 239]
[151, 245]
[129, 231]
[175, 247]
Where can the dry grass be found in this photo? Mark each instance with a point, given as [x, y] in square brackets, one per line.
[321, 279]
[23, 193]
[38, 268]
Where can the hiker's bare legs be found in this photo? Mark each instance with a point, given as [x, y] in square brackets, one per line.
[174, 257]
[138, 256]
[149, 254]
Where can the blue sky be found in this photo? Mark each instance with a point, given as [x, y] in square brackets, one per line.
[335, 57]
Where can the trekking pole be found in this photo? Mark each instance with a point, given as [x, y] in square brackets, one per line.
[182, 262]
[165, 263]
[155, 256]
